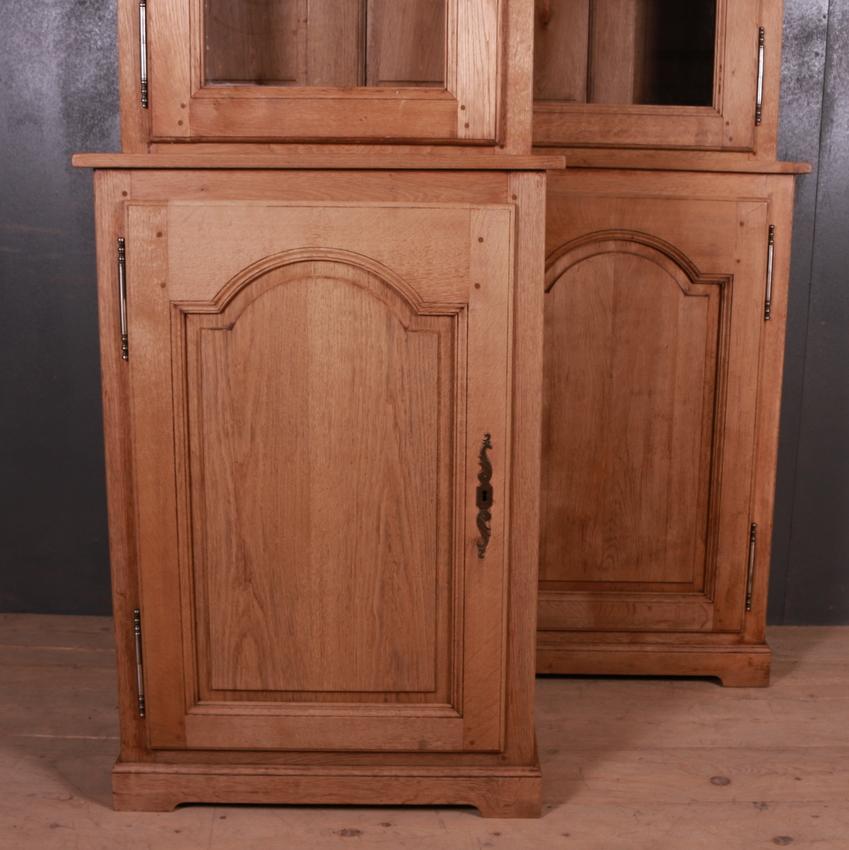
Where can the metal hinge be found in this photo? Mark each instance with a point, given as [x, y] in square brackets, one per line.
[750, 575]
[139, 665]
[770, 265]
[122, 297]
[759, 99]
[143, 52]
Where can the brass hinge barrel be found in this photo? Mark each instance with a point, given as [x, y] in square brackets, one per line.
[122, 298]
[759, 99]
[139, 664]
[750, 574]
[770, 267]
[143, 53]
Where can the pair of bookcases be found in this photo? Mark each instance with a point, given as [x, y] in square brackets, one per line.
[387, 388]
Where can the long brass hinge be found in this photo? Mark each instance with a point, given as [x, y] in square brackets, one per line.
[770, 266]
[143, 52]
[759, 98]
[750, 575]
[122, 297]
[139, 664]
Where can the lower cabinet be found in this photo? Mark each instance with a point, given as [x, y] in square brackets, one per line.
[323, 461]
[664, 327]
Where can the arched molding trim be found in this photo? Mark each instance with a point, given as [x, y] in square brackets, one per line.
[663, 254]
[372, 269]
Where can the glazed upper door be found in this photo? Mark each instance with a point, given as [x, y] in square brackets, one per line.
[324, 69]
[654, 313]
[315, 389]
[647, 73]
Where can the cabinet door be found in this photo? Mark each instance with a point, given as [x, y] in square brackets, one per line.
[654, 314]
[315, 389]
[647, 73]
[324, 69]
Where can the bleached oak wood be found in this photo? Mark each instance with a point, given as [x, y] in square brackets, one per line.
[282, 555]
[592, 618]
[110, 189]
[668, 407]
[734, 666]
[495, 793]
[352, 158]
[770, 371]
[406, 43]
[495, 730]
[616, 51]
[135, 120]
[614, 54]
[254, 42]
[660, 160]
[561, 50]
[328, 104]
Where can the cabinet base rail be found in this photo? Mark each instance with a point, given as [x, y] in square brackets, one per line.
[504, 792]
[741, 666]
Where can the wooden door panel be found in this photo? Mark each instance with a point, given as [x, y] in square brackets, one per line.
[643, 345]
[307, 494]
[309, 422]
[598, 59]
[654, 310]
[343, 77]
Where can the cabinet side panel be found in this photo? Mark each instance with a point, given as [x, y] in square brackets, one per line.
[769, 401]
[527, 191]
[110, 188]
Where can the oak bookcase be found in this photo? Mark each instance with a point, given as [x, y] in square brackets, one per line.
[380, 377]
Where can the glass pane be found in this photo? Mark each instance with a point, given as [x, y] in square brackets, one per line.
[325, 42]
[625, 51]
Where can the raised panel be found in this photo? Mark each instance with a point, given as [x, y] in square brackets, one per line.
[632, 356]
[321, 484]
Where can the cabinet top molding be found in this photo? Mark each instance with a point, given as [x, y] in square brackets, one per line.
[658, 160]
[323, 161]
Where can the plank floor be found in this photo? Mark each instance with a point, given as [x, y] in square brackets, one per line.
[628, 764]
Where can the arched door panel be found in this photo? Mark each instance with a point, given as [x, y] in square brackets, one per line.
[649, 415]
[311, 388]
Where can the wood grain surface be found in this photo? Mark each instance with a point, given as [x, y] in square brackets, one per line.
[319, 449]
[587, 621]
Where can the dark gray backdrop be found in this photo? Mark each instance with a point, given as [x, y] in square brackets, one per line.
[58, 95]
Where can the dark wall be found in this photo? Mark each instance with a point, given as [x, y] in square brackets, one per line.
[58, 95]
[810, 570]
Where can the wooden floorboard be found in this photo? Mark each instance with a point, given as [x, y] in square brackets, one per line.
[628, 764]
